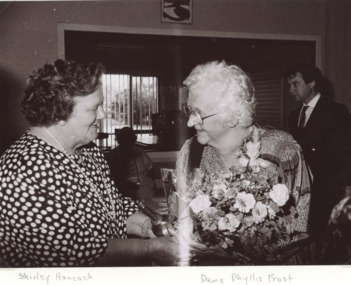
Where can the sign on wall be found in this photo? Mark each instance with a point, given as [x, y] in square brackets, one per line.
[176, 11]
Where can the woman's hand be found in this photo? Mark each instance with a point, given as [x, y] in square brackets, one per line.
[140, 225]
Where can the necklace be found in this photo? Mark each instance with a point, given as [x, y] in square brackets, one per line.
[111, 213]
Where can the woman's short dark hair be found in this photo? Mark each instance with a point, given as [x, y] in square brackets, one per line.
[51, 89]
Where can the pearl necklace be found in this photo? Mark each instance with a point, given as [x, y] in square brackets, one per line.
[112, 214]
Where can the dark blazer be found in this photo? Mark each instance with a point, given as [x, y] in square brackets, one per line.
[325, 140]
[326, 145]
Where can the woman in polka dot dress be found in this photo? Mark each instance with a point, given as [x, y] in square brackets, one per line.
[58, 205]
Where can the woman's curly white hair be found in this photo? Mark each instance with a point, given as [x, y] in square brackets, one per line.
[233, 87]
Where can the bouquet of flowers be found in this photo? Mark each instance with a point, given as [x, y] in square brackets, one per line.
[245, 211]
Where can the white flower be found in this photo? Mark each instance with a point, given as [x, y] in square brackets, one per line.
[220, 186]
[256, 164]
[259, 212]
[219, 190]
[246, 183]
[200, 203]
[279, 194]
[244, 161]
[253, 149]
[252, 160]
[209, 216]
[244, 202]
[209, 213]
[228, 222]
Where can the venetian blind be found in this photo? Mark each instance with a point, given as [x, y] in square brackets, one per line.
[266, 74]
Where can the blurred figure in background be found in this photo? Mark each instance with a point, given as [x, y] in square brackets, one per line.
[131, 168]
[323, 129]
[337, 242]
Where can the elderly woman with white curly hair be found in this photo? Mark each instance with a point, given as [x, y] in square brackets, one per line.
[221, 106]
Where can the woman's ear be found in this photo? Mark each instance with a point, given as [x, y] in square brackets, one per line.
[232, 120]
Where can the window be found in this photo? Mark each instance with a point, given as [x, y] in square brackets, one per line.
[266, 74]
[129, 101]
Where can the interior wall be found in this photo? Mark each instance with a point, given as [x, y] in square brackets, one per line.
[338, 48]
[346, 87]
[29, 34]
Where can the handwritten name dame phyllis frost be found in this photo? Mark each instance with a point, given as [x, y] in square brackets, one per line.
[46, 278]
[250, 279]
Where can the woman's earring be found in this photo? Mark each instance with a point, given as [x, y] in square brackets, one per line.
[61, 123]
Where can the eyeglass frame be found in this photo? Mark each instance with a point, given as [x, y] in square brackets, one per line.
[189, 111]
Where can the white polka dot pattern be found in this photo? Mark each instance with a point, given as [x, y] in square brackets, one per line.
[49, 214]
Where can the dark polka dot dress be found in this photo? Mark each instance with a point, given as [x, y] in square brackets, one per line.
[50, 215]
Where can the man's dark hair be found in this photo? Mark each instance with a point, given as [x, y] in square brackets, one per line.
[309, 73]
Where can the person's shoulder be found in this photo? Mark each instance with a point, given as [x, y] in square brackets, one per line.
[277, 136]
[25, 148]
[13, 151]
[279, 146]
[278, 140]
[339, 107]
[26, 143]
[335, 112]
[330, 104]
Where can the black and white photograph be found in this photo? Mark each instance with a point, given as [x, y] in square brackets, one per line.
[213, 149]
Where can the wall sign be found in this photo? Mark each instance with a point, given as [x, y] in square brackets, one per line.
[176, 11]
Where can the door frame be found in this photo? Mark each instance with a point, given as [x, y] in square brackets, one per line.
[62, 27]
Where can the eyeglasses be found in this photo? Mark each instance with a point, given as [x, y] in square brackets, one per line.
[188, 111]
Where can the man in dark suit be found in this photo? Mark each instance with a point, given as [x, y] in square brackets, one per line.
[323, 129]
